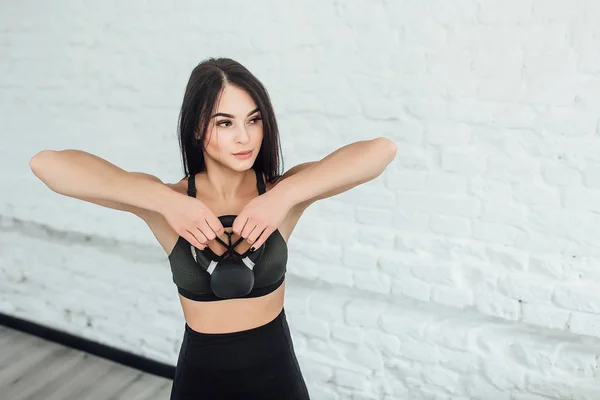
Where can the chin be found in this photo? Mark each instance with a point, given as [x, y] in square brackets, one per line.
[244, 165]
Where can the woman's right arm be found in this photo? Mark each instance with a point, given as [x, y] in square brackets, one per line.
[84, 176]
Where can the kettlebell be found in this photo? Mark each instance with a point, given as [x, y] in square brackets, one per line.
[231, 274]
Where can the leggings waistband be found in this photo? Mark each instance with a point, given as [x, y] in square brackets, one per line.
[237, 350]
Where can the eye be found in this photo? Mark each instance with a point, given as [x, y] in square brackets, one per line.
[256, 119]
[225, 121]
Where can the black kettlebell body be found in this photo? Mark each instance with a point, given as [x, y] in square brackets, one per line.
[232, 274]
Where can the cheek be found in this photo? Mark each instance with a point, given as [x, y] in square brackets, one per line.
[217, 143]
[212, 138]
[211, 147]
[259, 132]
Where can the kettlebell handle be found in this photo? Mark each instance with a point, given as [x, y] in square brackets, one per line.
[227, 222]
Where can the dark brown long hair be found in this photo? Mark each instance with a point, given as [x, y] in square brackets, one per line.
[204, 86]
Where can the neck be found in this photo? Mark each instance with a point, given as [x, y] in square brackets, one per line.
[225, 185]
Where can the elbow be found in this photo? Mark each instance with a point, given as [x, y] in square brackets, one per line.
[37, 161]
[393, 147]
[389, 148]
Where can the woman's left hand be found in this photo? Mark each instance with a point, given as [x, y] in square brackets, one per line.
[261, 217]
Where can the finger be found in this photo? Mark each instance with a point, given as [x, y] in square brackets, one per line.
[262, 238]
[248, 229]
[255, 234]
[215, 224]
[196, 239]
[206, 229]
[238, 224]
[198, 236]
[205, 234]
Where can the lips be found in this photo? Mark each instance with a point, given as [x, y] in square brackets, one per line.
[243, 153]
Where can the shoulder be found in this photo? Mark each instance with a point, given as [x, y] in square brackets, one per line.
[181, 186]
[299, 208]
[163, 232]
[292, 171]
[291, 220]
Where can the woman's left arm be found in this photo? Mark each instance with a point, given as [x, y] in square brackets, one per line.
[345, 168]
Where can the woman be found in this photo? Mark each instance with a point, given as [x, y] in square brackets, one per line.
[237, 343]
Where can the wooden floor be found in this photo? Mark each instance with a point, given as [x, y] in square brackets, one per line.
[32, 368]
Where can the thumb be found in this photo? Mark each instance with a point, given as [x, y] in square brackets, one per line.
[238, 223]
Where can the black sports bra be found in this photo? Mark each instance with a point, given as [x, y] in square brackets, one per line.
[194, 283]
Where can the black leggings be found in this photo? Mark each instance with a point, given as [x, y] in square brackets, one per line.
[258, 363]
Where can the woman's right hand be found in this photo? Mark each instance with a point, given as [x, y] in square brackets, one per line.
[192, 220]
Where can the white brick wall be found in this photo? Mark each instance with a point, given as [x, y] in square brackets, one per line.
[468, 270]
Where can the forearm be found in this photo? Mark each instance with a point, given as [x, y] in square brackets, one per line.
[346, 167]
[82, 175]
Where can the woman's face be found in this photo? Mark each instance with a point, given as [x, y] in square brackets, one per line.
[236, 126]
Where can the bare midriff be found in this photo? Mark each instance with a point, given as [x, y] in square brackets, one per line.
[234, 315]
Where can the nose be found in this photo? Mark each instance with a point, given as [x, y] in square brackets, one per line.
[242, 134]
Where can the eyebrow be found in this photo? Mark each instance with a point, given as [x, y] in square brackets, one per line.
[232, 116]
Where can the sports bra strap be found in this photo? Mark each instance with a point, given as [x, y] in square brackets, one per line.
[192, 185]
[260, 183]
